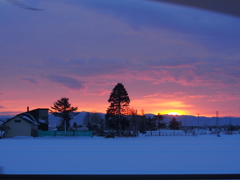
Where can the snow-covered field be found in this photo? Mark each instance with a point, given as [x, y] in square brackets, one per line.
[142, 155]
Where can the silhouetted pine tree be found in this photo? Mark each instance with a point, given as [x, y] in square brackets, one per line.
[75, 125]
[63, 109]
[174, 124]
[160, 123]
[159, 118]
[119, 101]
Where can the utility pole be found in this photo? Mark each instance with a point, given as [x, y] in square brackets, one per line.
[159, 127]
[185, 121]
[198, 121]
[217, 124]
[65, 128]
[230, 123]
[185, 125]
[135, 124]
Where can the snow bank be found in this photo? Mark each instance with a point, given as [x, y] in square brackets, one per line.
[142, 155]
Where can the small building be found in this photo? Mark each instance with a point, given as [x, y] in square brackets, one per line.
[28, 123]
[21, 125]
[41, 116]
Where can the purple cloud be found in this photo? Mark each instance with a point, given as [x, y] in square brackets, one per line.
[69, 82]
[186, 71]
[30, 80]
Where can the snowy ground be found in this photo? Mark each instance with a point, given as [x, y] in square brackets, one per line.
[142, 155]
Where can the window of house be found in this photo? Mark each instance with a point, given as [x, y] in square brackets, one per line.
[17, 121]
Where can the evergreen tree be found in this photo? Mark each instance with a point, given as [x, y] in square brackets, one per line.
[63, 109]
[174, 124]
[159, 118]
[117, 111]
[75, 125]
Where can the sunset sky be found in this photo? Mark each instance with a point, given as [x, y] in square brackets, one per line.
[169, 58]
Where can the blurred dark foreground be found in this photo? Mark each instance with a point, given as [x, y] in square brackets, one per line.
[124, 177]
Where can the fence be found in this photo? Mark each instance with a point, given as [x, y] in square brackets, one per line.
[62, 133]
[169, 133]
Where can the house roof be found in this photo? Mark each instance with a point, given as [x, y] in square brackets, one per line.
[39, 109]
[30, 117]
[27, 117]
[36, 114]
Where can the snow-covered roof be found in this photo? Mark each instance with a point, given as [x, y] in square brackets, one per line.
[29, 118]
[42, 121]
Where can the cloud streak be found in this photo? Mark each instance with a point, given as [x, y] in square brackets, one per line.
[30, 80]
[69, 82]
[185, 72]
[217, 96]
[98, 92]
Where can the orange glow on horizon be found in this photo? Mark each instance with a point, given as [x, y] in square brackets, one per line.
[174, 112]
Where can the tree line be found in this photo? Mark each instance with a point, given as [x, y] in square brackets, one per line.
[119, 117]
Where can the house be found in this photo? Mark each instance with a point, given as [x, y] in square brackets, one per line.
[41, 116]
[28, 123]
